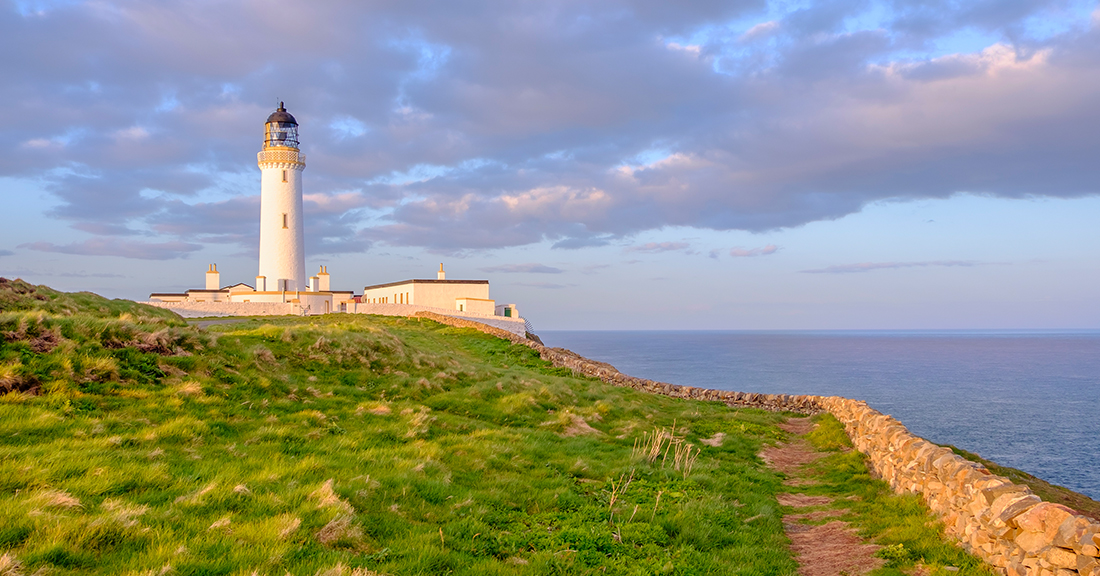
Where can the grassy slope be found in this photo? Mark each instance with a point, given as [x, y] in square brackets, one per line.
[323, 445]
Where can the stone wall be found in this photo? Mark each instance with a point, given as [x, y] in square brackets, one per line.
[1001, 522]
[205, 309]
[513, 326]
[998, 521]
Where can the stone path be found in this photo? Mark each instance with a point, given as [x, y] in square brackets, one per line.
[829, 549]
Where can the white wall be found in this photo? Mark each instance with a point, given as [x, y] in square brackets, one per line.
[476, 305]
[431, 294]
[282, 250]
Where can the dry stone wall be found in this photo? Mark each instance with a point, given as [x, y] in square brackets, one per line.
[999, 521]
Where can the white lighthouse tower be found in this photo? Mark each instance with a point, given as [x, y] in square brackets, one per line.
[282, 237]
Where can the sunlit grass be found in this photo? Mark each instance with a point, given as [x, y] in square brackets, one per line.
[340, 443]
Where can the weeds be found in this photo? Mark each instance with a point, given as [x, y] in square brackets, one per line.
[617, 490]
[311, 446]
[649, 447]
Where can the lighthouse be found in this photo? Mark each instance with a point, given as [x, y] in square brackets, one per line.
[282, 237]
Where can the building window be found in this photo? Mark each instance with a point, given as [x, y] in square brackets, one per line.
[460, 308]
[285, 221]
[507, 312]
[284, 175]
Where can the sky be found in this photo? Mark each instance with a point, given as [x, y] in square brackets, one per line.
[725, 164]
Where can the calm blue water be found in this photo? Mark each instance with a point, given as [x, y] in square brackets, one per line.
[1029, 400]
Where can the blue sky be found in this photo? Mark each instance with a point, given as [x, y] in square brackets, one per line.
[642, 165]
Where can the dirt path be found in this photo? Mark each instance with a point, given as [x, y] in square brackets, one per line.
[831, 548]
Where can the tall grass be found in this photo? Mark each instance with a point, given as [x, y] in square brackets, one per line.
[657, 444]
[358, 445]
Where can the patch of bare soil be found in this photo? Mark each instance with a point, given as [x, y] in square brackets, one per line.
[790, 457]
[831, 549]
[715, 440]
[813, 516]
[578, 427]
[802, 500]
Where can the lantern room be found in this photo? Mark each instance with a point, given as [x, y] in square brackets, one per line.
[281, 130]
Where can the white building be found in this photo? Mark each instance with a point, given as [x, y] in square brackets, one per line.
[281, 284]
[282, 234]
[282, 276]
[471, 296]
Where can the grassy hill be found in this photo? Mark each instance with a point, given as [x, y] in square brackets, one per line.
[133, 443]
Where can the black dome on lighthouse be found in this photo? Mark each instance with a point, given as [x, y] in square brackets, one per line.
[281, 115]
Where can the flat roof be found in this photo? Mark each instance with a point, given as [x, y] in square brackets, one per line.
[166, 294]
[425, 282]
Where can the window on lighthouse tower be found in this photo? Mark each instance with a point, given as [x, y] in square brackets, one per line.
[285, 221]
[284, 175]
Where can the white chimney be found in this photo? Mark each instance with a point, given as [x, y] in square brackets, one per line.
[261, 283]
[324, 285]
[441, 275]
[213, 278]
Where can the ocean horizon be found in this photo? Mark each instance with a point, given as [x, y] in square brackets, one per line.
[1023, 398]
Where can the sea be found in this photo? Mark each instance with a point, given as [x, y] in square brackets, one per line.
[1025, 399]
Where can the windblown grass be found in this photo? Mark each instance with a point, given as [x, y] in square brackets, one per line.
[343, 445]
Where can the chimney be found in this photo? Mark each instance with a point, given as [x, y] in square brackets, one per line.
[313, 282]
[261, 283]
[441, 275]
[213, 278]
[323, 285]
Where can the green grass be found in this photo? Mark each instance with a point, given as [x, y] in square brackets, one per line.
[1043, 489]
[902, 524]
[131, 442]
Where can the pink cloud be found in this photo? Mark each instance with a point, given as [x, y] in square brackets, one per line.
[743, 253]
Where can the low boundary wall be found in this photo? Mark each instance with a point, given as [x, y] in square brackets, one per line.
[1003, 523]
[515, 326]
[220, 309]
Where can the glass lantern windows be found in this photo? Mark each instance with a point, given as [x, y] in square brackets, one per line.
[281, 135]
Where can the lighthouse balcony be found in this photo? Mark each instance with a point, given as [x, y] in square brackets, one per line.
[283, 156]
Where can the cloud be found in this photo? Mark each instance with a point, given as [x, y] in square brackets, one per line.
[6, 253]
[122, 248]
[578, 243]
[81, 274]
[476, 125]
[594, 268]
[761, 30]
[743, 253]
[656, 247]
[869, 266]
[523, 268]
